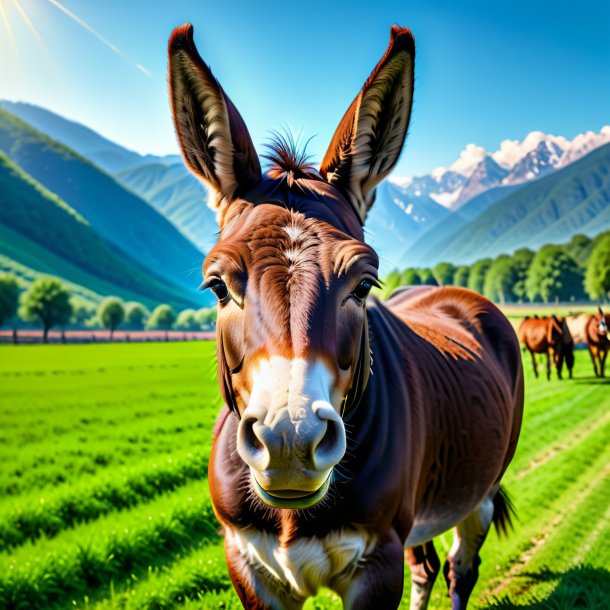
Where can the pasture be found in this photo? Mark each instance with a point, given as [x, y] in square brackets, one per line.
[104, 500]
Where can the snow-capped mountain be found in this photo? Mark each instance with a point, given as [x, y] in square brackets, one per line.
[515, 162]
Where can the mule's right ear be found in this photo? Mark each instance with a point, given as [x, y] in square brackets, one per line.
[213, 137]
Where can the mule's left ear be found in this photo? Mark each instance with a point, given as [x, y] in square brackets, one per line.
[369, 138]
[213, 137]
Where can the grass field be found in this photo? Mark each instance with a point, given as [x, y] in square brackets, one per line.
[104, 501]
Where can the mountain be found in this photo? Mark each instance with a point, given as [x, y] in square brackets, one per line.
[486, 175]
[536, 163]
[42, 232]
[118, 216]
[178, 195]
[400, 214]
[102, 152]
[573, 199]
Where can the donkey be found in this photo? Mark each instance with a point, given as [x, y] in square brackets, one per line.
[353, 431]
[551, 336]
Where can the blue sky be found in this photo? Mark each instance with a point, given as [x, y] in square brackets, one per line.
[485, 71]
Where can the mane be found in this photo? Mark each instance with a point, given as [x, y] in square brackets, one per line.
[287, 159]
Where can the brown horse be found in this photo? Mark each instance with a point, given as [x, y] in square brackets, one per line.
[325, 466]
[550, 336]
[598, 341]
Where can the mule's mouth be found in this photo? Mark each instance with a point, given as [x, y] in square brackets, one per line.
[291, 498]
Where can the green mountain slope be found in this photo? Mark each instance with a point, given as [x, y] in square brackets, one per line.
[178, 195]
[575, 199]
[119, 216]
[39, 230]
[102, 152]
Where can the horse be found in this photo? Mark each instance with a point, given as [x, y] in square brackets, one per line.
[598, 341]
[353, 431]
[551, 336]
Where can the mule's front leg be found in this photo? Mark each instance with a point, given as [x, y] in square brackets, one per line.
[378, 580]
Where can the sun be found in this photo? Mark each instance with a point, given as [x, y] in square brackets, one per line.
[5, 14]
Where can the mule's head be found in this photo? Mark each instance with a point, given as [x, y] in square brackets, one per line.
[291, 270]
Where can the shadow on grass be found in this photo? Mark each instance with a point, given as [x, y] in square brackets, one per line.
[580, 588]
[591, 380]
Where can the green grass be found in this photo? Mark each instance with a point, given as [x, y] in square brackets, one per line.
[104, 501]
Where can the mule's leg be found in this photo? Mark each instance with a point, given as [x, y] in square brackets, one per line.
[425, 566]
[534, 363]
[378, 580]
[462, 566]
[548, 365]
[593, 353]
[602, 361]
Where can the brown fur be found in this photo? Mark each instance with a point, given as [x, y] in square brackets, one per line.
[432, 428]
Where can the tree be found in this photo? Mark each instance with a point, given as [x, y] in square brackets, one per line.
[460, 277]
[111, 313]
[9, 297]
[597, 278]
[478, 271]
[500, 280]
[162, 318]
[522, 259]
[206, 316]
[82, 312]
[443, 273]
[390, 283]
[136, 315]
[48, 301]
[554, 276]
[579, 248]
[187, 320]
[427, 278]
[409, 277]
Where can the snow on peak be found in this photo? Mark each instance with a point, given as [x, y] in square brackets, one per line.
[512, 151]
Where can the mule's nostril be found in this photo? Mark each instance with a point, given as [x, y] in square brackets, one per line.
[250, 436]
[328, 440]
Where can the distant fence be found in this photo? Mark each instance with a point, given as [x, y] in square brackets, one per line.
[103, 336]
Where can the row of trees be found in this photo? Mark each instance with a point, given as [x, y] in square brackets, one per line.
[49, 302]
[579, 270]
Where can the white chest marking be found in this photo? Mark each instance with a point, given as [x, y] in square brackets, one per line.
[306, 564]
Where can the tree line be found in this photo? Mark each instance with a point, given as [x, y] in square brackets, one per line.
[576, 271]
[49, 303]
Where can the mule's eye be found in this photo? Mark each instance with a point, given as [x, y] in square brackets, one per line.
[362, 290]
[219, 288]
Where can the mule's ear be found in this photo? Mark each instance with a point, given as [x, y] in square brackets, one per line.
[370, 136]
[215, 142]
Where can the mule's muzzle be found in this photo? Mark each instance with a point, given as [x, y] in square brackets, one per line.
[291, 455]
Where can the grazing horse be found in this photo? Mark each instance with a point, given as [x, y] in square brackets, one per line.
[550, 336]
[598, 340]
[353, 431]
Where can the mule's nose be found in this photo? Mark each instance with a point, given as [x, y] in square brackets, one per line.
[317, 440]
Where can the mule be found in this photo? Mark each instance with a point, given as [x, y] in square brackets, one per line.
[598, 341]
[353, 431]
[550, 336]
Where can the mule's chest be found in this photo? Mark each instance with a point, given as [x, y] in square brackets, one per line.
[305, 564]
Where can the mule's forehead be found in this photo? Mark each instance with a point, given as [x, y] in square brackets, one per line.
[270, 235]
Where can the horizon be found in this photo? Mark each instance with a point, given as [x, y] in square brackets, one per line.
[515, 70]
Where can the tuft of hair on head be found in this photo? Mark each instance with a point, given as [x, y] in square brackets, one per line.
[287, 159]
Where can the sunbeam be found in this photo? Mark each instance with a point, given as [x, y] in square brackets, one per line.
[30, 25]
[101, 38]
[7, 25]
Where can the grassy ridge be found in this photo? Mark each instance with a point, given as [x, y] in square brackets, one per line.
[104, 501]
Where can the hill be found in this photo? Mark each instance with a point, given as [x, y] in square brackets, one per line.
[42, 232]
[117, 215]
